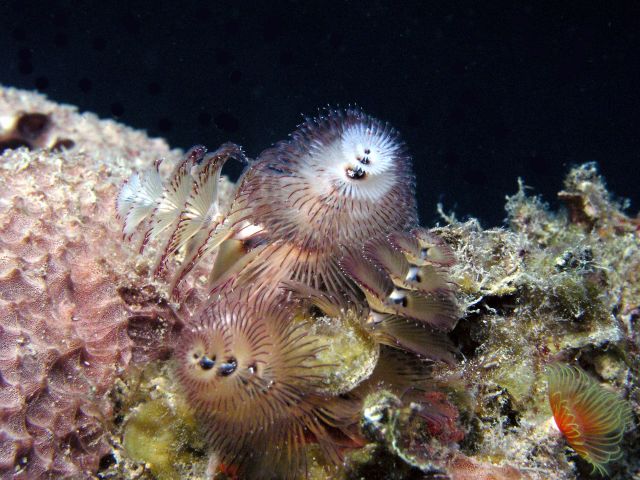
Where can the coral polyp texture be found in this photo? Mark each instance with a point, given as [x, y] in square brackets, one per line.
[63, 324]
[298, 323]
[592, 419]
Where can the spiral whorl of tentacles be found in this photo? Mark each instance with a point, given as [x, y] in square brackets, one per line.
[411, 301]
[321, 226]
[249, 369]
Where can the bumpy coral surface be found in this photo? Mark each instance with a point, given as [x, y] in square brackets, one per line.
[63, 323]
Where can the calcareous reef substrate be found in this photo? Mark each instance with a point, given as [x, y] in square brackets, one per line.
[87, 387]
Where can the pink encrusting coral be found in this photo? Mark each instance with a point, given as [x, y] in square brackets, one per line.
[63, 337]
[63, 322]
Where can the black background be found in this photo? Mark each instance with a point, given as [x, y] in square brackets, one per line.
[482, 92]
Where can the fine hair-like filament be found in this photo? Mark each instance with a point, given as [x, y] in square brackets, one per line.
[249, 372]
[591, 418]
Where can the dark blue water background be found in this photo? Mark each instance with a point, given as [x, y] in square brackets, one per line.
[483, 92]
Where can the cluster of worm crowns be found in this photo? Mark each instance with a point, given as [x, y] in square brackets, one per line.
[319, 246]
